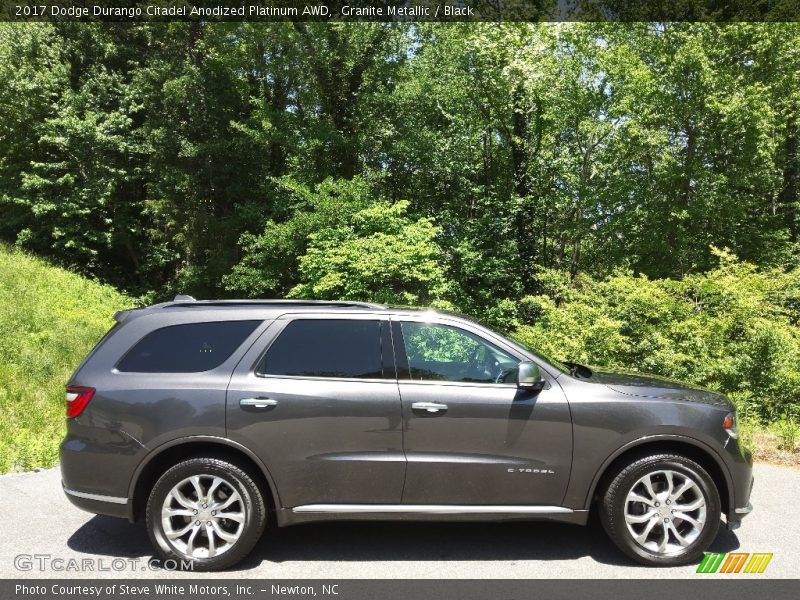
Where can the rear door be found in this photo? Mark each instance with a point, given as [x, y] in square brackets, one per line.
[317, 399]
[471, 436]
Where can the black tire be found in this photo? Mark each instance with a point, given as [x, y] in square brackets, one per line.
[252, 505]
[612, 510]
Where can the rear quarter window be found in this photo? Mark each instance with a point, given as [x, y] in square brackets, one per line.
[188, 348]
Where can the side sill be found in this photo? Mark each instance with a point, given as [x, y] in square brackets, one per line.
[313, 513]
[431, 509]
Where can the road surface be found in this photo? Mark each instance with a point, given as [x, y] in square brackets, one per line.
[38, 520]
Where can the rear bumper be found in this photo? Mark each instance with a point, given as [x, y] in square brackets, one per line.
[97, 503]
[95, 476]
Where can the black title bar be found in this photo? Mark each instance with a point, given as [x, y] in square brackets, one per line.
[400, 11]
[418, 589]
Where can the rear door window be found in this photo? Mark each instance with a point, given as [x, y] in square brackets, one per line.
[189, 348]
[343, 348]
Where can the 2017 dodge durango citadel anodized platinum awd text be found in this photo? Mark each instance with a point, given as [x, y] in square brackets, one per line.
[204, 418]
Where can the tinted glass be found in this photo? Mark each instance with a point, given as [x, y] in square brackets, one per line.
[189, 348]
[444, 353]
[326, 348]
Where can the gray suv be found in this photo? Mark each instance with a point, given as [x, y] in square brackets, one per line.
[206, 418]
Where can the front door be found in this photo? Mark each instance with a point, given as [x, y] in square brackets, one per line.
[471, 436]
[317, 399]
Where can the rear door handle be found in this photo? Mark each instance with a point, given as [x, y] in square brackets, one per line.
[258, 402]
[431, 407]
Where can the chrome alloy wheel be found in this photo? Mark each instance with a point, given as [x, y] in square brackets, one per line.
[665, 512]
[203, 516]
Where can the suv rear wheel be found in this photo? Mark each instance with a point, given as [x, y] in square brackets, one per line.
[662, 510]
[205, 510]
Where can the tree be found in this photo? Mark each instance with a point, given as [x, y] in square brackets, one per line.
[269, 266]
[379, 254]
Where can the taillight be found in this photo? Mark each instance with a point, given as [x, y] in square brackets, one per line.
[77, 399]
[729, 425]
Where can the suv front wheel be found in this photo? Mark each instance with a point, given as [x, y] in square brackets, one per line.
[662, 510]
[207, 511]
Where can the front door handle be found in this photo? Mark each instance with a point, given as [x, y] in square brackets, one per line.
[431, 407]
[258, 402]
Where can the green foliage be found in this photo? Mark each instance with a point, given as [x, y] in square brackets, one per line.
[427, 343]
[434, 343]
[270, 267]
[378, 254]
[732, 329]
[567, 179]
[192, 157]
[788, 432]
[50, 319]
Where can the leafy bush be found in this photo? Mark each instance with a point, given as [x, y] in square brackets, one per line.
[49, 319]
[379, 253]
[733, 329]
[788, 432]
[270, 263]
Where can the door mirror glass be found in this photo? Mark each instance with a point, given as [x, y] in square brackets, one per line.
[529, 376]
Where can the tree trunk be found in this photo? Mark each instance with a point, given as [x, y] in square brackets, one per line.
[523, 221]
[791, 177]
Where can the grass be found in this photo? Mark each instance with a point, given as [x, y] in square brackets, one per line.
[776, 443]
[49, 320]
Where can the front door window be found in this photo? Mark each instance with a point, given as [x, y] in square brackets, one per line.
[437, 352]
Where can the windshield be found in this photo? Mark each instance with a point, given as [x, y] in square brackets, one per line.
[537, 353]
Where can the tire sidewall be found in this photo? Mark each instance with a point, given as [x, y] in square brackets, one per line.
[233, 476]
[622, 537]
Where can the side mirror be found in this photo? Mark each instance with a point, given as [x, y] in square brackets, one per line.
[529, 377]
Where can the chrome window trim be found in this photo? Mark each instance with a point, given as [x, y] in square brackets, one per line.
[456, 383]
[318, 378]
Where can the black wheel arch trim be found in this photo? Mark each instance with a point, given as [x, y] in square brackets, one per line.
[210, 439]
[665, 437]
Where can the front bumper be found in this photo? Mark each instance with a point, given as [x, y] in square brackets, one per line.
[738, 513]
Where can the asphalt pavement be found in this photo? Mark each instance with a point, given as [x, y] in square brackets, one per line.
[55, 539]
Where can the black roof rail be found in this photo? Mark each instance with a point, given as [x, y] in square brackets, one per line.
[188, 301]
